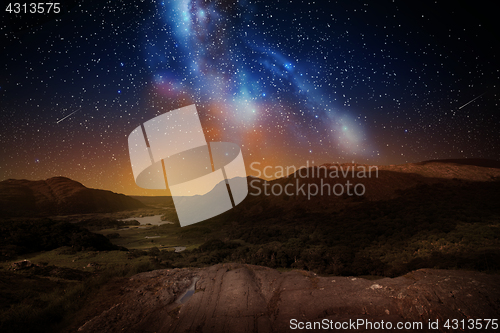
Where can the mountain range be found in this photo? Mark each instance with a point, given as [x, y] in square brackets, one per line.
[58, 196]
[63, 196]
[379, 183]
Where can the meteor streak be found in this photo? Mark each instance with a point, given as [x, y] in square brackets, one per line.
[57, 122]
[472, 100]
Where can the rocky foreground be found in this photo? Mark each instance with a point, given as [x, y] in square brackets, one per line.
[246, 298]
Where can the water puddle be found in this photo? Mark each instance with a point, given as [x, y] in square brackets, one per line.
[189, 292]
[179, 248]
[186, 296]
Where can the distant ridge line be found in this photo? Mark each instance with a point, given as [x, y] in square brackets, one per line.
[480, 162]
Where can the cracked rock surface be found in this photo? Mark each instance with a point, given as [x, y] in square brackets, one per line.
[246, 298]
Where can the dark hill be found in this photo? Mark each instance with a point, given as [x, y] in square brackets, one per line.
[58, 196]
[22, 235]
[379, 183]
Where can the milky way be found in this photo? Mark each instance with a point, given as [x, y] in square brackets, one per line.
[289, 81]
[217, 54]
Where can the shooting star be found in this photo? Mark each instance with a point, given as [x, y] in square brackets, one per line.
[472, 100]
[72, 113]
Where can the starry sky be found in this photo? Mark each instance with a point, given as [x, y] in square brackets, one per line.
[384, 82]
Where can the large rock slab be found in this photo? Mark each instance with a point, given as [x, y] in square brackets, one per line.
[246, 298]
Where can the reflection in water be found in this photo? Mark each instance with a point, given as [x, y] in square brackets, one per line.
[189, 292]
[186, 296]
[154, 220]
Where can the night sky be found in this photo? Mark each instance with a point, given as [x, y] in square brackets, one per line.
[289, 81]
